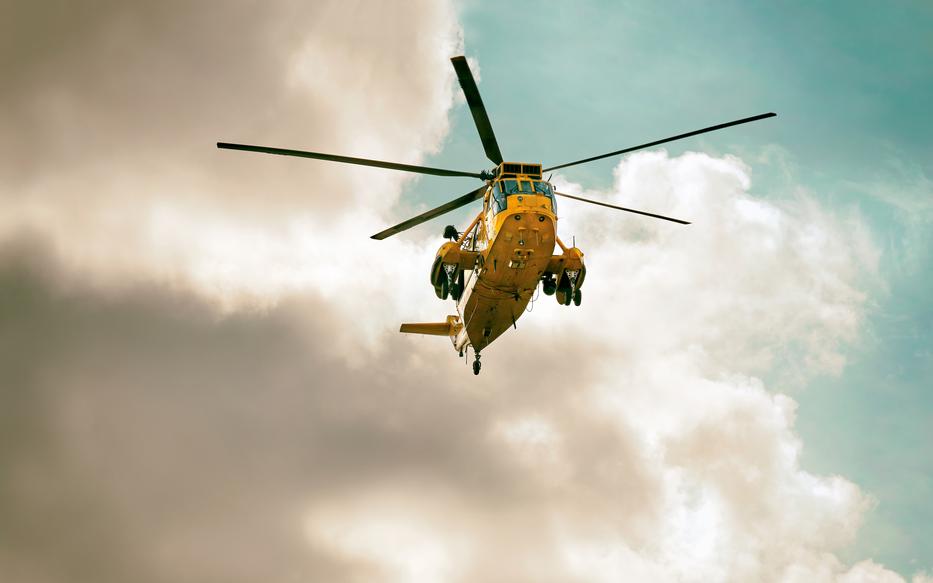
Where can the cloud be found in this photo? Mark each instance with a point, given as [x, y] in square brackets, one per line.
[197, 448]
[108, 138]
[750, 284]
[156, 426]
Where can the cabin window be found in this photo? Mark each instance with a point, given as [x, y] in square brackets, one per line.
[510, 186]
[525, 186]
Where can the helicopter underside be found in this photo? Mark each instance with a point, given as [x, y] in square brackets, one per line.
[497, 291]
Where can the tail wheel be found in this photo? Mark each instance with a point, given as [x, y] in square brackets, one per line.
[444, 288]
[476, 367]
[577, 297]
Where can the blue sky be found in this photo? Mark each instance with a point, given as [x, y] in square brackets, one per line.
[852, 85]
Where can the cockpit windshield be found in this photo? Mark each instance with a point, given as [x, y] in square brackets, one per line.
[509, 186]
[504, 188]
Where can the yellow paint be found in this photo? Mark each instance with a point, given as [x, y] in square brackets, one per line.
[449, 328]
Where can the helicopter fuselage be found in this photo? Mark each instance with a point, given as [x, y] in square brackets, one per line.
[497, 290]
[494, 268]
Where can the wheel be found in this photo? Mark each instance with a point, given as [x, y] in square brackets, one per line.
[577, 297]
[549, 286]
[562, 297]
[437, 275]
[445, 287]
[456, 290]
[476, 367]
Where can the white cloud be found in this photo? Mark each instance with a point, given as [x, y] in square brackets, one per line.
[127, 185]
[632, 437]
[747, 284]
[404, 533]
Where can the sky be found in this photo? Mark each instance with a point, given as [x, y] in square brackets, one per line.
[200, 372]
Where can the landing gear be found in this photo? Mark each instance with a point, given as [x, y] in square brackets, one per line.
[567, 290]
[476, 365]
[564, 296]
[450, 285]
[561, 296]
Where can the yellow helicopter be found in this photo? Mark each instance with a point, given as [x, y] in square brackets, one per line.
[493, 267]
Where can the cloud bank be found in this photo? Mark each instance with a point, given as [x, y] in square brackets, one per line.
[157, 426]
[108, 134]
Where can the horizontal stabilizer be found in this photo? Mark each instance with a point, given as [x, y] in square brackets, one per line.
[439, 329]
[449, 328]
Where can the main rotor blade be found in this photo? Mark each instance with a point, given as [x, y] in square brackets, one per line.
[435, 212]
[622, 208]
[480, 118]
[665, 140]
[348, 160]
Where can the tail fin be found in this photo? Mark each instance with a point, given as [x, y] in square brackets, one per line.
[449, 328]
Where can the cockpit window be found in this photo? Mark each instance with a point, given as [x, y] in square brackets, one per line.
[544, 188]
[504, 188]
[498, 197]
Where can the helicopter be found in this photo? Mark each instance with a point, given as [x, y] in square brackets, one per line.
[492, 269]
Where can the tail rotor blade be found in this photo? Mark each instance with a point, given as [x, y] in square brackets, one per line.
[665, 140]
[348, 160]
[435, 212]
[480, 117]
[622, 208]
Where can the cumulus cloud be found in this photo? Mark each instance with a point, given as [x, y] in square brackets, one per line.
[146, 435]
[108, 135]
[248, 447]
